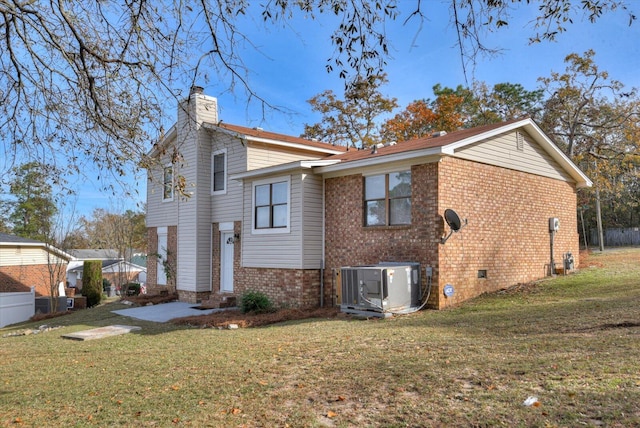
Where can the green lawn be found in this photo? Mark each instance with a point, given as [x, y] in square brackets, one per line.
[573, 342]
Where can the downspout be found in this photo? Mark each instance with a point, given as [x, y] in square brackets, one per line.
[323, 253]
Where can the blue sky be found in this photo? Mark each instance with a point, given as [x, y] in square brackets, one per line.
[290, 68]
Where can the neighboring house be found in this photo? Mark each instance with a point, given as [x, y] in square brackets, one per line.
[279, 214]
[26, 262]
[114, 269]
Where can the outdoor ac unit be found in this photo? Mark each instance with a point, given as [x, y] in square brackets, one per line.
[380, 290]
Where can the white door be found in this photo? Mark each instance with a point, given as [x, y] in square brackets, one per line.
[226, 262]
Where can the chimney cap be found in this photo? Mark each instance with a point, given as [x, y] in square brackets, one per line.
[196, 90]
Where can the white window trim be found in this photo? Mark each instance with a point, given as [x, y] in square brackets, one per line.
[217, 152]
[278, 230]
[173, 180]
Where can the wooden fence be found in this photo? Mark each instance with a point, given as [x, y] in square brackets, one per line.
[620, 237]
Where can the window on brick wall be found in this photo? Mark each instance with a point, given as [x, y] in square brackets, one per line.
[271, 206]
[387, 199]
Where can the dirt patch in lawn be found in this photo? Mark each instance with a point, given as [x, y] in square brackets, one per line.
[225, 318]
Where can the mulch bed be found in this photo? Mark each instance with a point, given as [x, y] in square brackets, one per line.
[225, 318]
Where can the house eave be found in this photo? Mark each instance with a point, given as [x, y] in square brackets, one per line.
[282, 169]
[415, 156]
[245, 137]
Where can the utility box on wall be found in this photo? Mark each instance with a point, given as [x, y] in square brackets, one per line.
[380, 290]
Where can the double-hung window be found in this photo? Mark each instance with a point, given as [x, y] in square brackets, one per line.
[219, 172]
[167, 183]
[387, 199]
[271, 205]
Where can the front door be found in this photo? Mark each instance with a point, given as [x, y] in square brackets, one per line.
[226, 262]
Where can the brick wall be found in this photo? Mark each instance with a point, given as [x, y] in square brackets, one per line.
[292, 288]
[22, 278]
[508, 231]
[507, 234]
[369, 245]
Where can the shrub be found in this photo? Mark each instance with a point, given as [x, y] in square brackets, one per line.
[255, 301]
[105, 284]
[92, 282]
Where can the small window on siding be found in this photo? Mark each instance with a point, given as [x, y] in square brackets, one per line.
[167, 183]
[387, 199]
[519, 142]
[219, 172]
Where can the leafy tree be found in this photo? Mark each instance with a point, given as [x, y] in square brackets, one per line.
[351, 122]
[92, 281]
[88, 81]
[124, 231]
[32, 211]
[593, 118]
[415, 121]
[505, 101]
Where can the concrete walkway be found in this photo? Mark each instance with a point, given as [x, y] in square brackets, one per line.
[164, 311]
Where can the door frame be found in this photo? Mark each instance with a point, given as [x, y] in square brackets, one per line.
[227, 251]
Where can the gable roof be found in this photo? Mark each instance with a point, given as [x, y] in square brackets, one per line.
[447, 144]
[7, 240]
[260, 135]
[94, 254]
[109, 263]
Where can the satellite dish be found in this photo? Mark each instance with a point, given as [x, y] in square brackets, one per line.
[452, 219]
[454, 222]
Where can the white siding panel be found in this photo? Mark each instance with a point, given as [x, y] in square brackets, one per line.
[312, 221]
[159, 213]
[228, 207]
[277, 250]
[502, 151]
[260, 155]
[12, 256]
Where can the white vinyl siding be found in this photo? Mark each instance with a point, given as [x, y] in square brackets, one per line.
[260, 155]
[159, 212]
[227, 207]
[503, 151]
[274, 250]
[311, 216]
[23, 256]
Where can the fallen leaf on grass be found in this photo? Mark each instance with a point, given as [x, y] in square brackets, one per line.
[263, 383]
[340, 398]
[17, 421]
[236, 411]
[175, 387]
[331, 414]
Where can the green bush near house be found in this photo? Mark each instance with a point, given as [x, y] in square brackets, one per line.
[255, 301]
[92, 282]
